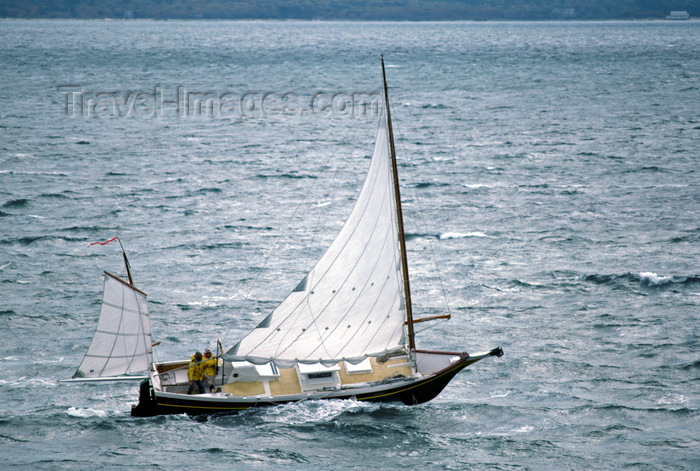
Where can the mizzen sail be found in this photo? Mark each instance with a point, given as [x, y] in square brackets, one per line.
[350, 305]
[122, 341]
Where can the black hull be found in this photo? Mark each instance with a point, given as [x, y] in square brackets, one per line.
[414, 393]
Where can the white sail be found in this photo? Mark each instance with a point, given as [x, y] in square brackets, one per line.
[350, 305]
[122, 341]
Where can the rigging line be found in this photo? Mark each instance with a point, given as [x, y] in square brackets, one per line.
[306, 194]
[422, 217]
[432, 325]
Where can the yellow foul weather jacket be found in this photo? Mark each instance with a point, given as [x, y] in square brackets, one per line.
[209, 366]
[195, 372]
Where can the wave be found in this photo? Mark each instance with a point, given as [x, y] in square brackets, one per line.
[204, 247]
[648, 169]
[286, 175]
[86, 229]
[29, 240]
[55, 196]
[428, 185]
[648, 279]
[676, 411]
[302, 414]
[445, 235]
[202, 191]
[525, 284]
[18, 203]
[690, 366]
[679, 239]
[461, 235]
[248, 228]
[416, 235]
[10, 438]
[86, 412]
[280, 455]
[434, 106]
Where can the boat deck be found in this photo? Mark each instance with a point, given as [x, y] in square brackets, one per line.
[245, 379]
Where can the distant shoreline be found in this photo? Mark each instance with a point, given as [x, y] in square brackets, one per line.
[355, 10]
[353, 20]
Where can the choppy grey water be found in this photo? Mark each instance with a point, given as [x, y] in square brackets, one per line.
[551, 176]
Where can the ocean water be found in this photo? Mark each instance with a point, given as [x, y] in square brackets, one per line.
[552, 198]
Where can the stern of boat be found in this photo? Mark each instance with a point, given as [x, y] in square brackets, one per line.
[147, 406]
[148, 403]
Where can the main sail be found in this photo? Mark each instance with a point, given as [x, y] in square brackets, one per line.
[122, 341]
[351, 304]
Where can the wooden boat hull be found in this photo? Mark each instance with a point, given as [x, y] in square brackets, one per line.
[410, 391]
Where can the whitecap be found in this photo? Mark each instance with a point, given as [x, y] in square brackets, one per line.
[23, 381]
[41, 382]
[652, 279]
[524, 429]
[498, 394]
[672, 399]
[461, 235]
[476, 186]
[312, 411]
[85, 412]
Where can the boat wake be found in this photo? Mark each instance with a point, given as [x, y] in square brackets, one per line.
[86, 412]
[313, 412]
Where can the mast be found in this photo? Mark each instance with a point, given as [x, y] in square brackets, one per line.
[126, 263]
[399, 218]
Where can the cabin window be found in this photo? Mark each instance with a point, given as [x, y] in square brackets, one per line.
[325, 374]
[314, 377]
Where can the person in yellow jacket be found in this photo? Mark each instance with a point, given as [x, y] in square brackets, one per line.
[195, 373]
[210, 366]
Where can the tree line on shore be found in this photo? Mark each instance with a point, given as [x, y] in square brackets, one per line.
[408, 10]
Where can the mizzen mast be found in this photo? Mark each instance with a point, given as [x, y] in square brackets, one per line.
[126, 263]
[399, 218]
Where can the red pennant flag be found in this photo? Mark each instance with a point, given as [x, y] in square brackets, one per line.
[104, 243]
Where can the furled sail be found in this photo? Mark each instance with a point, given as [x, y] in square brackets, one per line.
[350, 305]
[122, 341]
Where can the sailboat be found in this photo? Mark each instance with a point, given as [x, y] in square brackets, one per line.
[121, 347]
[345, 332]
